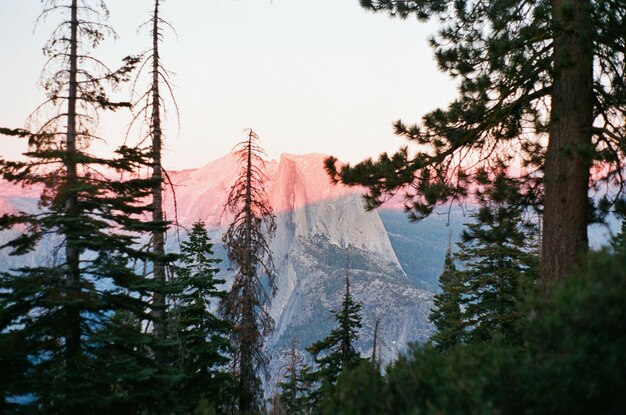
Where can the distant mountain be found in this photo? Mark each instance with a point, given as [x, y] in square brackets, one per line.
[323, 232]
[321, 228]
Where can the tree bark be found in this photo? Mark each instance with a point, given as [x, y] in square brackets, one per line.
[247, 376]
[158, 235]
[72, 252]
[568, 157]
[375, 343]
[248, 249]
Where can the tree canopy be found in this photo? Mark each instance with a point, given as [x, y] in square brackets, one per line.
[542, 90]
[336, 353]
[70, 327]
[446, 313]
[203, 337]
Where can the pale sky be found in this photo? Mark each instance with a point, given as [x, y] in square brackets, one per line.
[309, 76]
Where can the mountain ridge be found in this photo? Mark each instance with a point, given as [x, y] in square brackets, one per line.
[323, 233]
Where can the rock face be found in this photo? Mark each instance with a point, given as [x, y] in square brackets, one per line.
[323, 232]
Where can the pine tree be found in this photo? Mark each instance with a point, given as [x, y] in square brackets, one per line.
[529, 73]
[295, 386]
[375, 358]
[446, 314]
[247, 244]
[499, 265]
[203, 337]
[336, 353]
[68, 327]
[127, 378]
[149, 108]
[618, 242]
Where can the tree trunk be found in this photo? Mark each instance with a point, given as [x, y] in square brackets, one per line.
[158, 236]
[375, 343]
[246, 366]
[248, 336]
[72, 252]
[293, 372]
[247, 248]
[568, 157]
[346, 345]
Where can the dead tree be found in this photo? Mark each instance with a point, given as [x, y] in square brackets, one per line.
[70, 317]
[149, 111]
[247, 244]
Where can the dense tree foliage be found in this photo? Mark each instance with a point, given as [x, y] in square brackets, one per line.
[68, 328]
[618, 242]
[498, 265]
[336, 352]
[247, 244]
[446, 313]
[348, 397]
[542, 103]
[295, 386]
[572, 361]
[542, 86]
[202, 337]
[149, 111]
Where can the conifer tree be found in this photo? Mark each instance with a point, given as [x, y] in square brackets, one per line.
[247, 244]
[70, 347]
[446, 314]
[618, 242]
[202, 337]
[530, 73]
[336, 353]
[375, 358]
[149, 108]
[499, 265]
[295, 386]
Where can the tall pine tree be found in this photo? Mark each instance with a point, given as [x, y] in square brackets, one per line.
[295, 386]
[336, 352]
[446, 314]
[499, 265]
[149, 112]
[543, 82]
[68, 331]
[247, 244]
[618, 242]
[202, 336]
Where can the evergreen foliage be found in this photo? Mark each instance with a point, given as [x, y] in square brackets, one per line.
[127, 379]
[618, 242]
[71, 324]
[572, 361]
[73, 330]
[149, 111]
[499, 264]
[577, 342]
[336, 353]
[482, 300]
[202, 337]
[247, 244]
[529, 73]
[295, 387]
[446, 314]
[359, 391]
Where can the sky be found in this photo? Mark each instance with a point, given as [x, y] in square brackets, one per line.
[309, 76]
